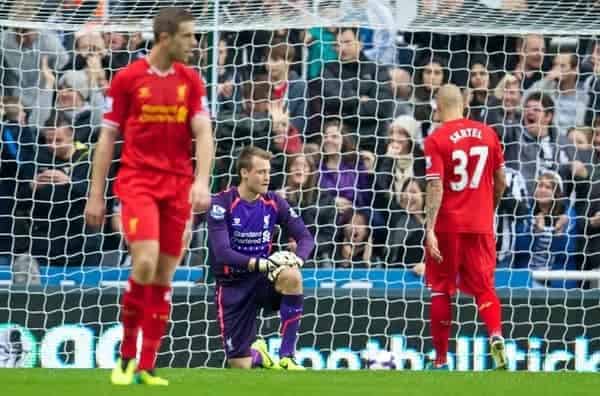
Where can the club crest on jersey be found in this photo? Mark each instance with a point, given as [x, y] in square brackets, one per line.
[428, 162]
[181, 92]
[293, 213]
[144, 93]
[217, 212]
[236, 221]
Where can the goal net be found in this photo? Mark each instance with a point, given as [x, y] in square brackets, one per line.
[342, 92]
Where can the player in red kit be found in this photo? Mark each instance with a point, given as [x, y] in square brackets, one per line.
[465, 182]
[158, 104]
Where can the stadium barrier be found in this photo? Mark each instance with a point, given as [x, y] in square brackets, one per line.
[547, 330]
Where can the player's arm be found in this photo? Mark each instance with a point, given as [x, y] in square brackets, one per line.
[499, 186]
[433, 201]
[499, 174]
[103, 155]
[200, 124]
[296, 228]
[202, 131]
[434, 192]
[116, 107]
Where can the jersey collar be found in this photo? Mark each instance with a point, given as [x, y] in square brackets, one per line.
[154, 70]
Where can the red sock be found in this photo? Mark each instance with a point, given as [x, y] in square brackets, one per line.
[132, 312]
[490, 312]
[156, 317]
[440, 325]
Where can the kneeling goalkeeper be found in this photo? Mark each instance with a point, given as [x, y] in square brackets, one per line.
[241, 222]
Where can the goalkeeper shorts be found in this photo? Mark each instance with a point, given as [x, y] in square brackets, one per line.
[154, 207]
[237, 308]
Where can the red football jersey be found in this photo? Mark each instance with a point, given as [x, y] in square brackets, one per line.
[153, 111]
[464, 154]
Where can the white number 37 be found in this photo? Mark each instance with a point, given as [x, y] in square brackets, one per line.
[460, 169]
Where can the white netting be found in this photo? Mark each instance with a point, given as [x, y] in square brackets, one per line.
[281, 76]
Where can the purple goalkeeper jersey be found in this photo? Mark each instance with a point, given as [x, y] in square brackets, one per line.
[239, 230]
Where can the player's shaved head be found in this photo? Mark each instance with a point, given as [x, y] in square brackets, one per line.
[449, 102]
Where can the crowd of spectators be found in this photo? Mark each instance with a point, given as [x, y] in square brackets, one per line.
[345, 124]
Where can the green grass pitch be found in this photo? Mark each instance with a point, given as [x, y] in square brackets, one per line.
[214, 382]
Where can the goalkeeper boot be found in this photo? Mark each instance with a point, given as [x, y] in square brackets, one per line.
[260, 346]
[498, 353]
[124, 372]
[149, 377]
[288, 363]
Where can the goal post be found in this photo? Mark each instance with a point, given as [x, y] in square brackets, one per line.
[366, 301]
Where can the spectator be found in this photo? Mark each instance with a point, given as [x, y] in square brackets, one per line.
[586, 176]
[482, 106]
[21, 52]
[316, 210]
[536, 145]
[530, 67]
[357, 89]
[122, 51]
[342, 173]
[354, 247]
[260, 122]
[570, 97]
[430, 76]
[17, 167]
[512, 212]
[226, 85]
[402, 161]
[508, 93]
[79, 98]
[321, 49]
[60, 188]
[401, 87]
[407, 225]
[548, 241]
[287, 85]
[581, 138]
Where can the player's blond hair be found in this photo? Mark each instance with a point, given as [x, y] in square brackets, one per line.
[246, 156]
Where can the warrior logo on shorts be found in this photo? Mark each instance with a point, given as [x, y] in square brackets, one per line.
[427, 162]
[267, 220]
[217, 212]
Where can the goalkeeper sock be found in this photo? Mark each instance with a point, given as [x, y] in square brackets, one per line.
[132, 313]
[490, 312]
[257, 360]
[292, 307]
[158, 307]
[440, 324]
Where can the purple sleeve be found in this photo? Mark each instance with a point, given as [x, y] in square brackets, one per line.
[288, 218]
[218, 236]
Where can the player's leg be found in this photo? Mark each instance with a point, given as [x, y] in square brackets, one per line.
[477, 279]
[140, 225]
[441, 279]
[172, 224]
[236, 315]
[289, 285]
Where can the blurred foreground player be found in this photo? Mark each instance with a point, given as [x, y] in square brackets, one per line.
[241, 223]
[465, 182]
[159, 106]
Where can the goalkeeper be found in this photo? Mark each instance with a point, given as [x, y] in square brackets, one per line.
[241, 222]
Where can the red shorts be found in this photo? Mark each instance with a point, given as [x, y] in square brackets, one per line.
[154, 207]
[469, 262]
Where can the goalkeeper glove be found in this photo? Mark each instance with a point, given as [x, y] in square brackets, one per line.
[285, 258]
[264, 265]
